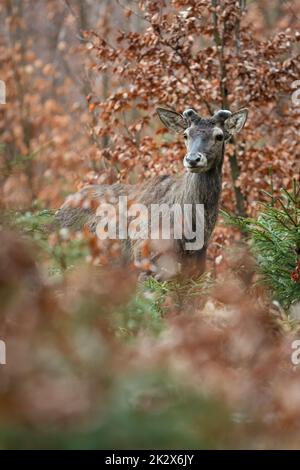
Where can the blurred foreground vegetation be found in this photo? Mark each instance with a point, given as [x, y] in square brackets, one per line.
[98, 360]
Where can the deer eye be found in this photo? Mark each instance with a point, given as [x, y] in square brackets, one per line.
[219, 137]
[185, 136]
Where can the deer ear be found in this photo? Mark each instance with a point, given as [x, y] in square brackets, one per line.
[173, 121]
[236, 121]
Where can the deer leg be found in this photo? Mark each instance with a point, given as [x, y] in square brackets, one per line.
[194, 264]
[163, 263]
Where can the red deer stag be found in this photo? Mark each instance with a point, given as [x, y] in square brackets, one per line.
[201, 184]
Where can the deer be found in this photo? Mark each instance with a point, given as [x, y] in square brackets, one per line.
[201, 183]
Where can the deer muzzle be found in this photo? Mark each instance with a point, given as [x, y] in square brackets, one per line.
[195, 162]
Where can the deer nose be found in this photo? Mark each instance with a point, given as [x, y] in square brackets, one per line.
[193, 160]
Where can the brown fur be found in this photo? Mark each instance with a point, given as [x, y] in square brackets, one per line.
[189, 188]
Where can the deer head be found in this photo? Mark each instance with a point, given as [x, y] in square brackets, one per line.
[204, 137]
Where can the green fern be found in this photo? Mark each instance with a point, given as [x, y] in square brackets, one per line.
[275, 241]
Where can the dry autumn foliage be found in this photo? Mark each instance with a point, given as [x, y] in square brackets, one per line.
[220, 359]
